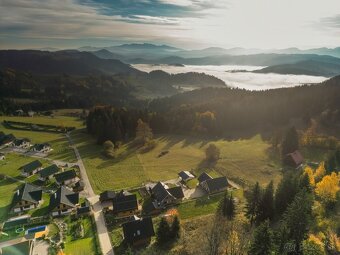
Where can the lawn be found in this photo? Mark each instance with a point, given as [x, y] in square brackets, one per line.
[246, 160]
[85, 245]
[10, 166]
[7, 188]
[60, 145]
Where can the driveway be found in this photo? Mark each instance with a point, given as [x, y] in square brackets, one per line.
[103, 234]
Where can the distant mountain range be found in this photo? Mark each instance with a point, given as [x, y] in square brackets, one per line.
[318, 61]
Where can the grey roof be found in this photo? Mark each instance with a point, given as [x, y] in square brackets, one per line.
[63, 196]
[84, 209]
[40, 146]
[203, 177]
[64, 176]
[138, 229]
[124, 201]
[185, 175]
[217, 184]
[30, 167]
[29, 193]
[107, 195]
[160, 191]
[48, 171]
[7, 138]
[177, 192]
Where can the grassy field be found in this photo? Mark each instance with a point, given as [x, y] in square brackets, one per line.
[245, 160]
[61, 149]
[7, 189]
[85, 245]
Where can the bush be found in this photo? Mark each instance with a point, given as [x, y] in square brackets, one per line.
[212, 153]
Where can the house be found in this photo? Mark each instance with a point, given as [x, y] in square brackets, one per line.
[163, 195]
[125, 204]
[185, 176]
[2, 156]
[78, 186]
[294, 159]
[48, 172]
[6, 139]
[138, 232]
[66, 178]
[22, 143]
[42, 147]
[30, 168]
[27, 197]
[63, 201]
[107, 195]
[212, 185]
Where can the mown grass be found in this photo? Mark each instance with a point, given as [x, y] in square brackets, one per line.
[247, 160]
[85, 245]
[7, 189]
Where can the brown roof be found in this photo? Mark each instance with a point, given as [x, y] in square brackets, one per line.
[296, 157]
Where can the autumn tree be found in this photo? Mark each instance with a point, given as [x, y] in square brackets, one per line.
[327, 188]
[320, 172]
[212, 153]
[143, 132]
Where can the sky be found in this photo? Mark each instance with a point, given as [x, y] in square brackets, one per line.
[189, 24]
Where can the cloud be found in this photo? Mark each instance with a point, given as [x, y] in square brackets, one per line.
[331, 22]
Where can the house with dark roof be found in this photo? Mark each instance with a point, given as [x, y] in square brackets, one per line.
[66, 177]
[42, 147]
[163, 195]
[213, 185]
[6, 139]
[138, 232]
[48, 172]
[294, 159]
[185, 176]
[24, 143]
[125, 204]
[31, 168]
[63, 202]
[78, 186]
[107, 195]
[26, 197]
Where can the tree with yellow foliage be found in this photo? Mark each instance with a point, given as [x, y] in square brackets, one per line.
[328, 187]
[320, 172]
[310, 173]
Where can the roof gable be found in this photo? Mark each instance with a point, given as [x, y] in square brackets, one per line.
[30, 167]
[48, 171]
[63, 196]
[29, 193]
[64, 176]
[185, 175]
[107, 195]
[160, 191]
[203, 177]
[125, 202]
[217, 183]
[138, 229]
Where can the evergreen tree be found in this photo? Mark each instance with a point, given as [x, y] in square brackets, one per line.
[175, 228]
[263, 240]
[330, 164]
[285, 193]
[230, 208]
[163, 232]
[297, 218]
[266, 205]
[253, 200]
[290, 142]
[222, 206]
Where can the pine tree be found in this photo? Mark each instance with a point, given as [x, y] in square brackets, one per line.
[266, 205]
[263, 240]
[330, 164]
[175, 228]
[230, 208]
[285, 193]
[163, 232]
[222, 206]
[297, 218]
[253, 200]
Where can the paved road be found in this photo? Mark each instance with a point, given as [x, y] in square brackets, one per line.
[103, 234]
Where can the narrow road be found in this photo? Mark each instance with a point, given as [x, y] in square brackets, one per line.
[103, 234]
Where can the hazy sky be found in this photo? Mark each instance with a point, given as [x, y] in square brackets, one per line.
[182, 23]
